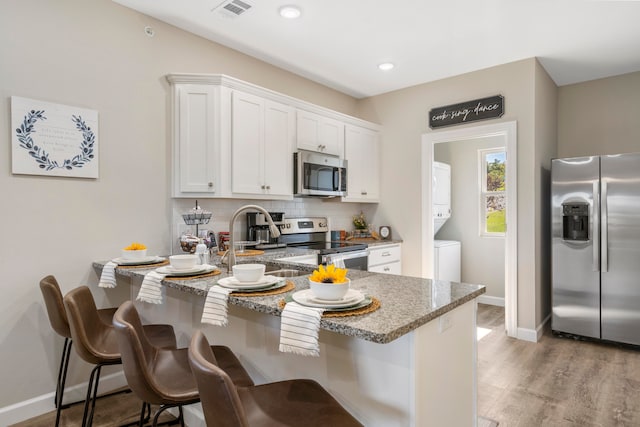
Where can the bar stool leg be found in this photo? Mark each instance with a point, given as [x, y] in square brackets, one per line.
[92, 391]
[62, 377]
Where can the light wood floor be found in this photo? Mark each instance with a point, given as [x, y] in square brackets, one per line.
[111, 411]
[555, 382]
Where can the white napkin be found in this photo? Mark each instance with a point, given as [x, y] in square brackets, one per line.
[299, 329]
[215, 306]
[108, 275]
[151, 289]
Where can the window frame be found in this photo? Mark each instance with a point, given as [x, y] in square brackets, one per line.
[483, 194]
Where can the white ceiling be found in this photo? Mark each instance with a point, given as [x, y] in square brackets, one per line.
[340, 42]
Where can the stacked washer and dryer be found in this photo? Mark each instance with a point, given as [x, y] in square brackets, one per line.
[446, 262]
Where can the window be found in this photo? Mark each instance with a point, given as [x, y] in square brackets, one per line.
[492, 165]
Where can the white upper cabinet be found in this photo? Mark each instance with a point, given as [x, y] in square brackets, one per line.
[262, 133]
[363, 165]
[233, 139]
[319, 133]
[195, 110]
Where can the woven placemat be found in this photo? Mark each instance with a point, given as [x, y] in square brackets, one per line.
[198, 276]
[286, 288]
[154, 265]
[375, 304]
[246, 252]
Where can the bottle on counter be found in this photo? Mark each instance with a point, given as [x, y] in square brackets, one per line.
[203, 252]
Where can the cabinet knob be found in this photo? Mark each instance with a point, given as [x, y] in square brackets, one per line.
[210, 184]
[387, 269]
[364, 193]
[263, 187]
[386, 254]
[268, 187]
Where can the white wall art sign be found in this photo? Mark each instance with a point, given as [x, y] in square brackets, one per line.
[53, 139]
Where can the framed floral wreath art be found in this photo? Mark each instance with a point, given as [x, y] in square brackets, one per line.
[53, 139]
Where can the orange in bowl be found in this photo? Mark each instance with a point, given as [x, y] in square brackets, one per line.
[134, 251]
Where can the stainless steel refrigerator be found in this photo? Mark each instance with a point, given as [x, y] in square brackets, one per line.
[596, 247]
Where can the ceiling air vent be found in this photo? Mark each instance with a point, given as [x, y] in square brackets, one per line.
[232, 8]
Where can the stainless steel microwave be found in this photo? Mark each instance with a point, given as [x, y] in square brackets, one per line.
[319, 175]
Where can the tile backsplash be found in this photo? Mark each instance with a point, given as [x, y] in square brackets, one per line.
[340, 214]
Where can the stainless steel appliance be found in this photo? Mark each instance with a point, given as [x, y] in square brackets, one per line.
[596, 247]
[319, 175]
[312, 232]
[258, 229]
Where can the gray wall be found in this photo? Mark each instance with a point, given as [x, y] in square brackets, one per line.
[403, 114]
[599, 117]
[482, 257]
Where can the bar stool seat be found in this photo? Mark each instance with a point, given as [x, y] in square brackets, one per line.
[163, 376]
[96, 341]
[291, 403]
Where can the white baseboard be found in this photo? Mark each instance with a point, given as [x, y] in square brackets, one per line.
[44, 403]
[533, 335]
[489, 300]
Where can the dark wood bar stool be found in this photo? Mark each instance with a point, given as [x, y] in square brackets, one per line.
[289, 403]
[162, 376]
[96, 341]
[57, 314]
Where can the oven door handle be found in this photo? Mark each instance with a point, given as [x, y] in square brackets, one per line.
[328, 259]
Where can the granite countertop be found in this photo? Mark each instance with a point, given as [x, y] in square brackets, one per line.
[406, 302]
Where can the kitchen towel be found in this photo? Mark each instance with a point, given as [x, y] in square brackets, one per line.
[108, 275]
[299, 329]
[151, 289]
[215, 306]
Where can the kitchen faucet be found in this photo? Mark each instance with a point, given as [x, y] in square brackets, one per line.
[231, 255]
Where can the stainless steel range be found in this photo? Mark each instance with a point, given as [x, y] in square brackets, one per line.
[312, 232]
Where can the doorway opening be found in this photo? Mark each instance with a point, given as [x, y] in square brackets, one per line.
[507, 133]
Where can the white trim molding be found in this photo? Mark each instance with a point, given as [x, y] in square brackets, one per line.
[507, 130]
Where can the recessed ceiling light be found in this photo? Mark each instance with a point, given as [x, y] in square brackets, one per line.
[386, 66]
[289, 12]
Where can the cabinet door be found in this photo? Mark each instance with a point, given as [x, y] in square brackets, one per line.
[319, 133]
[195, 139]
[361, 153]
[247, 143]
[332, 136]
[278, 149]
[390, 268]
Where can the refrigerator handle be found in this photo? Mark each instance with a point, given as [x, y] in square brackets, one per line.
[604, 227]
[595, 235]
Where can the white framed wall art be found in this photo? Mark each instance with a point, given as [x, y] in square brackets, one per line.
[53, 139]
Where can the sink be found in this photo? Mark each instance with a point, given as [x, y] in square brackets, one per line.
[284, 272]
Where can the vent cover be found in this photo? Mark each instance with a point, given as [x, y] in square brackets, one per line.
[232, 8]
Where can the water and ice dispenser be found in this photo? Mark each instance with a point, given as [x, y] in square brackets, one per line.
[575, 221]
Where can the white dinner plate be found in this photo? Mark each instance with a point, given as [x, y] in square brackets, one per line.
[198, 269]
[279, 284]
[351, 296]
[306, 297]
[140, 261]
[233, 283]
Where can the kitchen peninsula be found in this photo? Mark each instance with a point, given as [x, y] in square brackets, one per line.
[412, 362]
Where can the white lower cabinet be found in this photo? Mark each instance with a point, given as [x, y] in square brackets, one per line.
[386, 258]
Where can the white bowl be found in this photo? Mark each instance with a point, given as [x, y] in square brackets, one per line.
[329, 291]
[183, 262]
[248, 272]
[137, 254]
